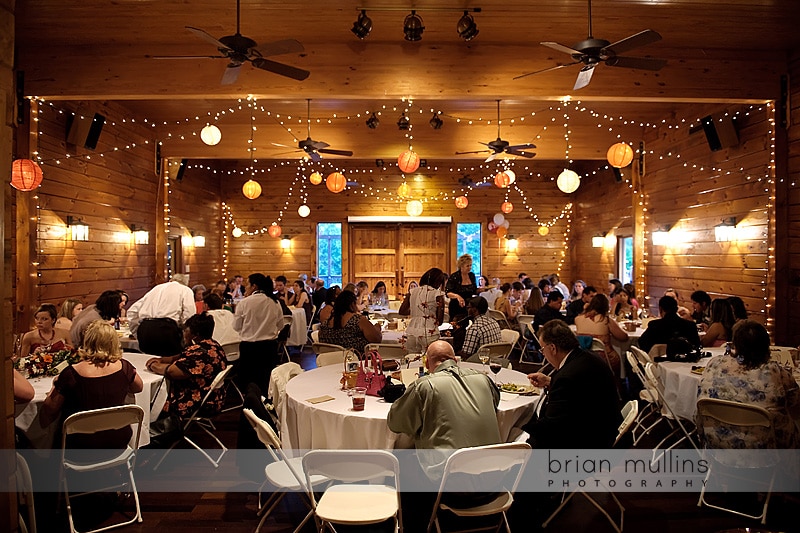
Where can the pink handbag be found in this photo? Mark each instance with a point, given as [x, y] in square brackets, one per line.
[372, 379]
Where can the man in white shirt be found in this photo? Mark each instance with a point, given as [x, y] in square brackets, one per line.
[157, 318]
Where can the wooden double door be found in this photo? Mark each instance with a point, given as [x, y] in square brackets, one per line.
[397, 253]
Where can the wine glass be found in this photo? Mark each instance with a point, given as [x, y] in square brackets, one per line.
[495, 368]
[483, 355]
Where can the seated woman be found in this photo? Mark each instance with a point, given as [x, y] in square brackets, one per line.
[327, 307]
[750, 377]
[346, 326]
[69, 309]
[535, 301]
[191, 372]
[621, 307]
[738, 308]
[720, 330]
[101, 379]
[362, 292]
[503, 304]
[300, 299]
[46, 336]
[595, 321]
[577, 290]
[123, 304]
[378, 296]
[199, 291]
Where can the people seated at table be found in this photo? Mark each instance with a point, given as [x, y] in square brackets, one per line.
[318, 296]
[613, 285]
[670, 326]
[123, 305]
[738, 308]
[483, 283]
[701, 309]
[621, 307]
[199, 291]
[426, 307]
[299, 298]
[545, 287]
[45, 336]
[535, 301]
[362, 293]
[581, 409]
[596, 322]
[461, 286]
[220, 288]
[70, 308]
[484, 329]
[106, 307]
[223, 321]
[551, 310]
[327, 306]
[720, 330]
[191, 372]
[259, 321]
[749, 376]
[447, 409]
[576, 307]
[503, 304]
[378, 296]
[683, 312]
[629, 287]
[577, 290]
[23, 390]
[555, 283]
[102, 378]
[157, 317]
[347, 327]
[234, 289]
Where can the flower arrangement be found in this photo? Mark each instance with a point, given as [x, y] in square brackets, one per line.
[46, 361]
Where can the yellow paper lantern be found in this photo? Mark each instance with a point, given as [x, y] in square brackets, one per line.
[408, 161]
[507, 207]
[501, 231]
[335, 182]
[211, 135]
[620, 155]
[462, 202]
[414, 208]
[26, 175]
[315, 178]
[502, 180]
[404, 190]
[251, 189]
[568, 181]
[543, 230]
[274, 231]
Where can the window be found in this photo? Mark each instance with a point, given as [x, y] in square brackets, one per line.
[329, 252]
[468, 241]
[625, 259]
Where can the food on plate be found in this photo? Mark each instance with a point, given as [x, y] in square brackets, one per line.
[515, 388]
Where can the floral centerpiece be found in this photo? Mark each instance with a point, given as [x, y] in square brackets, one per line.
[47, 360]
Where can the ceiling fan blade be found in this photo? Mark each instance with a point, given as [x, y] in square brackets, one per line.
[546, 69]
[347, 153]
[318, 145]
[281, 69]
[520, 153]
[561, 48]
[584, 77]
[491, 157]
[643, 63]
[281, 145]
[186, 57]
[286, 46]
[473, 152]
[231, 74]
[207, 37]
[520, 147]
[315, 157]
[629, 43]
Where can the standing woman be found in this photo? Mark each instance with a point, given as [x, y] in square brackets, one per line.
[259, 320]
[461, 286]
[69, 309]
[426, 306]
[300, 299]
[46, 335]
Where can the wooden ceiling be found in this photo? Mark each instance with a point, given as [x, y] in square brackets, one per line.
[717, 51]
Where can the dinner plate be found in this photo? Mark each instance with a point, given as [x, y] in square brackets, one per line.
[524, 390]
[698, 371]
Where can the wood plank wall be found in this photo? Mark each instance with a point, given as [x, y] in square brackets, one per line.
[792, 273]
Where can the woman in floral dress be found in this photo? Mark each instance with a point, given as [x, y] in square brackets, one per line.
[426, 306]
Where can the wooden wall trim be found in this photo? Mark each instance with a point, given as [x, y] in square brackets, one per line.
[27, 261]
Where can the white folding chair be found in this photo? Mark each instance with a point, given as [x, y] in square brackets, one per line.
[500, 317]
[629, 413]
[25, 493]
[648, 394]
[497, 350]
[288, 320]
[784, 355]
[645, 357]
[94, 421]
[474, 466]
[365, 487]
[387, 351]
[657, 350]
[510, 336]
[232, 356]
[658, 388]
[278, 379]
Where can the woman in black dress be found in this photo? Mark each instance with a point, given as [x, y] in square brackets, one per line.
[461, 285]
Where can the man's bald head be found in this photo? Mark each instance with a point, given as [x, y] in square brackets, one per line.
[438, 352]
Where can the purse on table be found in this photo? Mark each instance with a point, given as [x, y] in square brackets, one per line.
[373, 378]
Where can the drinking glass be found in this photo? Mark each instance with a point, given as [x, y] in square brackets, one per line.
[495, 368]
[483, 355]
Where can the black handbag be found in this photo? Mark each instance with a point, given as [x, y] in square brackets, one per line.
[390, 392]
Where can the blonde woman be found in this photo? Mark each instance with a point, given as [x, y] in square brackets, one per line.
[69, 309]
[461, 286]
[101, 379]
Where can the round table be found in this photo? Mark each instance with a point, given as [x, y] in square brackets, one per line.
[334, 425]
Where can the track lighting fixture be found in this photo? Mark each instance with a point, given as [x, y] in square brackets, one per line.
[373, 122]
[413, 27]
[436, 122]
[466, 28]
[403, 123]
[362, 26]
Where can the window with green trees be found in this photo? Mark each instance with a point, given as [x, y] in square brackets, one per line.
[468, 241]
[329, 252]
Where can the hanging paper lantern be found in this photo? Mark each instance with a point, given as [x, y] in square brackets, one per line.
[498, 218]
[315, 178]
[408, 161]
[462, 202]
[492, 227]
[511, 176]
[26, 175]
[568, 181]
[237, 232]
[304, 211]
[502, 180]
[501, 232]
[543, 230]
[404, 190]
[620, 155]
[335, 182]
[505, 223]
[251, 189]
[211, 135]
[274, 231]
[507, 207]
[414, 208]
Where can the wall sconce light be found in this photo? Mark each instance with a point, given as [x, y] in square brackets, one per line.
[726, 230]
[140, 235]
[466, 27]
[598, 241]
[78, 231]
[286, 242]
[403, 123]
[413, 27]
[373, 122]
[187, 241]
[362, 26]
[660, 237]
[199, 241]
[435, 122]
[511, 244]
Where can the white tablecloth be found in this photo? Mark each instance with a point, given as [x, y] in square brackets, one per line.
[298, 335]
[334, 425]
[680, 384]
[27, 416]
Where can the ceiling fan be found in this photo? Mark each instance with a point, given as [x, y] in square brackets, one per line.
[499, 146]
[592, 51]
[238, 49]
[314, 148]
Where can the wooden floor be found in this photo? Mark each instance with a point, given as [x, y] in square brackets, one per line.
[199, 512]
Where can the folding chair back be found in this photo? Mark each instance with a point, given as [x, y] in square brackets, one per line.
[510, 336]
[25, 492]
[658, 389]
[278, 379]
[657, 350]
[500, 350]
[387, 351]
[642, 356]
[500, 317]
[231, 351]
[784, 355]
[322, 347]
[629, 413]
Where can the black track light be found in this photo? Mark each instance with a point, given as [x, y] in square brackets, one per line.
[373, 122]
[403, 123]
[436, 122]
[466, 28]
[362, 26]
[412, 27]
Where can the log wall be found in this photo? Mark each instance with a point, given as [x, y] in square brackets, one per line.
[791, 197]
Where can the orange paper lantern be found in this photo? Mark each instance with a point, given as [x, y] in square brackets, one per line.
[502, 180]
[462, 202]
[501, 231]
[315, 178]
[507, 207]
[251, 189]
[408, 161]
[26, 175]
[274, 231]
[335, 182]
[404, 190]
[620, 155]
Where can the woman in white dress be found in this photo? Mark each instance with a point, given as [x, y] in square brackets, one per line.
[426, 305]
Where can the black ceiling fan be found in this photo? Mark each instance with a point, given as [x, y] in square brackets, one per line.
[314, 148]
[591, 52]
[239, 49]
[499, 146]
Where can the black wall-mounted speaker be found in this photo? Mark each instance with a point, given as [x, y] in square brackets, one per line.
[181, 170]
[617, 174]
[720, 132]
[84, 131]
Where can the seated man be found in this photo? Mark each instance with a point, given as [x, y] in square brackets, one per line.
[669, 326]
[551, 310]
[576, 307]
[223, 321]
[483, 330]
[581, 409]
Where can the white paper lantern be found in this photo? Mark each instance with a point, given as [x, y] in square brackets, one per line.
[505, 224]
[414, 208]
[568, 181]
[211, 135]
[237, 232]
[499, 219]
[304, 211]
[511, 176]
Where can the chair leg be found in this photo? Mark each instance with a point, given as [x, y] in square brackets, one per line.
[564, 500]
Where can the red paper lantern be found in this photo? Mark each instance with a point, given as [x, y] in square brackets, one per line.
[274, 231]
[462, 202]
[507, 207]
[620, 155]
[502, 180]
[408, 161]
[335, 182]
[492, 227]
[26, 175]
